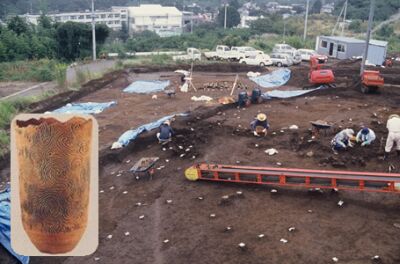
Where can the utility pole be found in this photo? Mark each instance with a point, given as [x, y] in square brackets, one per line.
[306, 20]
[344, 17]
[93, 31]
[370, 21]
[225, 18]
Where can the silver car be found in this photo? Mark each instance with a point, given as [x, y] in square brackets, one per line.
[281, 59]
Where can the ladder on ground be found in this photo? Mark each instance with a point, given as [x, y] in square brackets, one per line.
[324, 179]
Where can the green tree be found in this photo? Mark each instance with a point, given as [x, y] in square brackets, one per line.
[18, 25]
[232, 17]
[355, 25]
[44, 22]
[386, 31]
[316, 8]
[262, 25]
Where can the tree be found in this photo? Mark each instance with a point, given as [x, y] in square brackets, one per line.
[232, 17]
[44, 21]
[355, 25]
[262, 25]
[386, 31]
[235, 4]
[316, 8]
[124, 32]
[102, 32]
[18, 25]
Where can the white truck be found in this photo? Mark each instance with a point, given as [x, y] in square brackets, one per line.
[244, 52]
[221, 53]
[192, 54]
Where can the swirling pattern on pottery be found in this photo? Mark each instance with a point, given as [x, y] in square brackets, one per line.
[55, 191]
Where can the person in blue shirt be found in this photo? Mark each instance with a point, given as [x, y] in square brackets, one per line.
[260, 125]
[365, 136]
[166, 132]
[342, 140]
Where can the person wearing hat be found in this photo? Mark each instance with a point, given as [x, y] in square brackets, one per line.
[342, 140]
[165, 133]
[365, 136]
[260, 125]
[393, 138]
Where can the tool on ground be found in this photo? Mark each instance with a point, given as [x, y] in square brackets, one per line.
[170, 93]
[319, 125]
[324, 179]
[234, 84]
[319, 76]
[144, 166]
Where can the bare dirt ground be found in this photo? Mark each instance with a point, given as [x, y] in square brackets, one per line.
[362, 228]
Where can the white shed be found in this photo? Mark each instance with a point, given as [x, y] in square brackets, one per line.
[377, 51]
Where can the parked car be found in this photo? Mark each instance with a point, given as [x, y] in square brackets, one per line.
[260, 59]
[281, 59]
[279, 48]
[192, 54]
[307, 53]
[294, 55]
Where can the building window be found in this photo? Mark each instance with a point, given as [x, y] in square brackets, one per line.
[81, 17]
[88, 16]
[103, 16]
[124, 17]
[324, 44]
[109, 22]
[73, 17]
[110, 16]
[116, 22]
[116, 15]
[341, 48]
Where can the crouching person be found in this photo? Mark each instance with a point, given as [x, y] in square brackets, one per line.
[365, 136]
[342, 140]
[166, 133]
[260, 125]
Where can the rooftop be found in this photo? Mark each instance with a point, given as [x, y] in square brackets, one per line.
[354, 40]
[153, 10]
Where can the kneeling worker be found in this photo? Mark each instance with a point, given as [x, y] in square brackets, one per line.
[365, 136]
[393, 126]
[165, 133]
[260, 125]
[342, 140]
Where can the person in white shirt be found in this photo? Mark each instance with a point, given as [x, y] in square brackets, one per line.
[393, 138]
[365, 136]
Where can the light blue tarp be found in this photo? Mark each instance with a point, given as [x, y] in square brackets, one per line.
[85, 108]
[273, 79]
[5, 225]
[146, 87]
[286, 94]
[130, 135]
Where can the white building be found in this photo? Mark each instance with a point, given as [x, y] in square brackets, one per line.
[164, 20]
[113, 18]
[245, 21]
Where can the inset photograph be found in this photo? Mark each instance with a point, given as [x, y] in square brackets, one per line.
[54, 183]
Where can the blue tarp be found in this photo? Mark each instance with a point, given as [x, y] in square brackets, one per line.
[5, 225]
[130, 135]
[275, 78]
[286, 94]
[85, 108]
[146, 87]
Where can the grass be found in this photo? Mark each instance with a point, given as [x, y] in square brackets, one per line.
[38, 70]
[8, 110]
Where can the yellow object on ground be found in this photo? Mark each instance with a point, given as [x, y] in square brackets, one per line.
[191, 174]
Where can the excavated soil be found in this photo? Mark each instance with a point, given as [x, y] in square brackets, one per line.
[177, 227]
